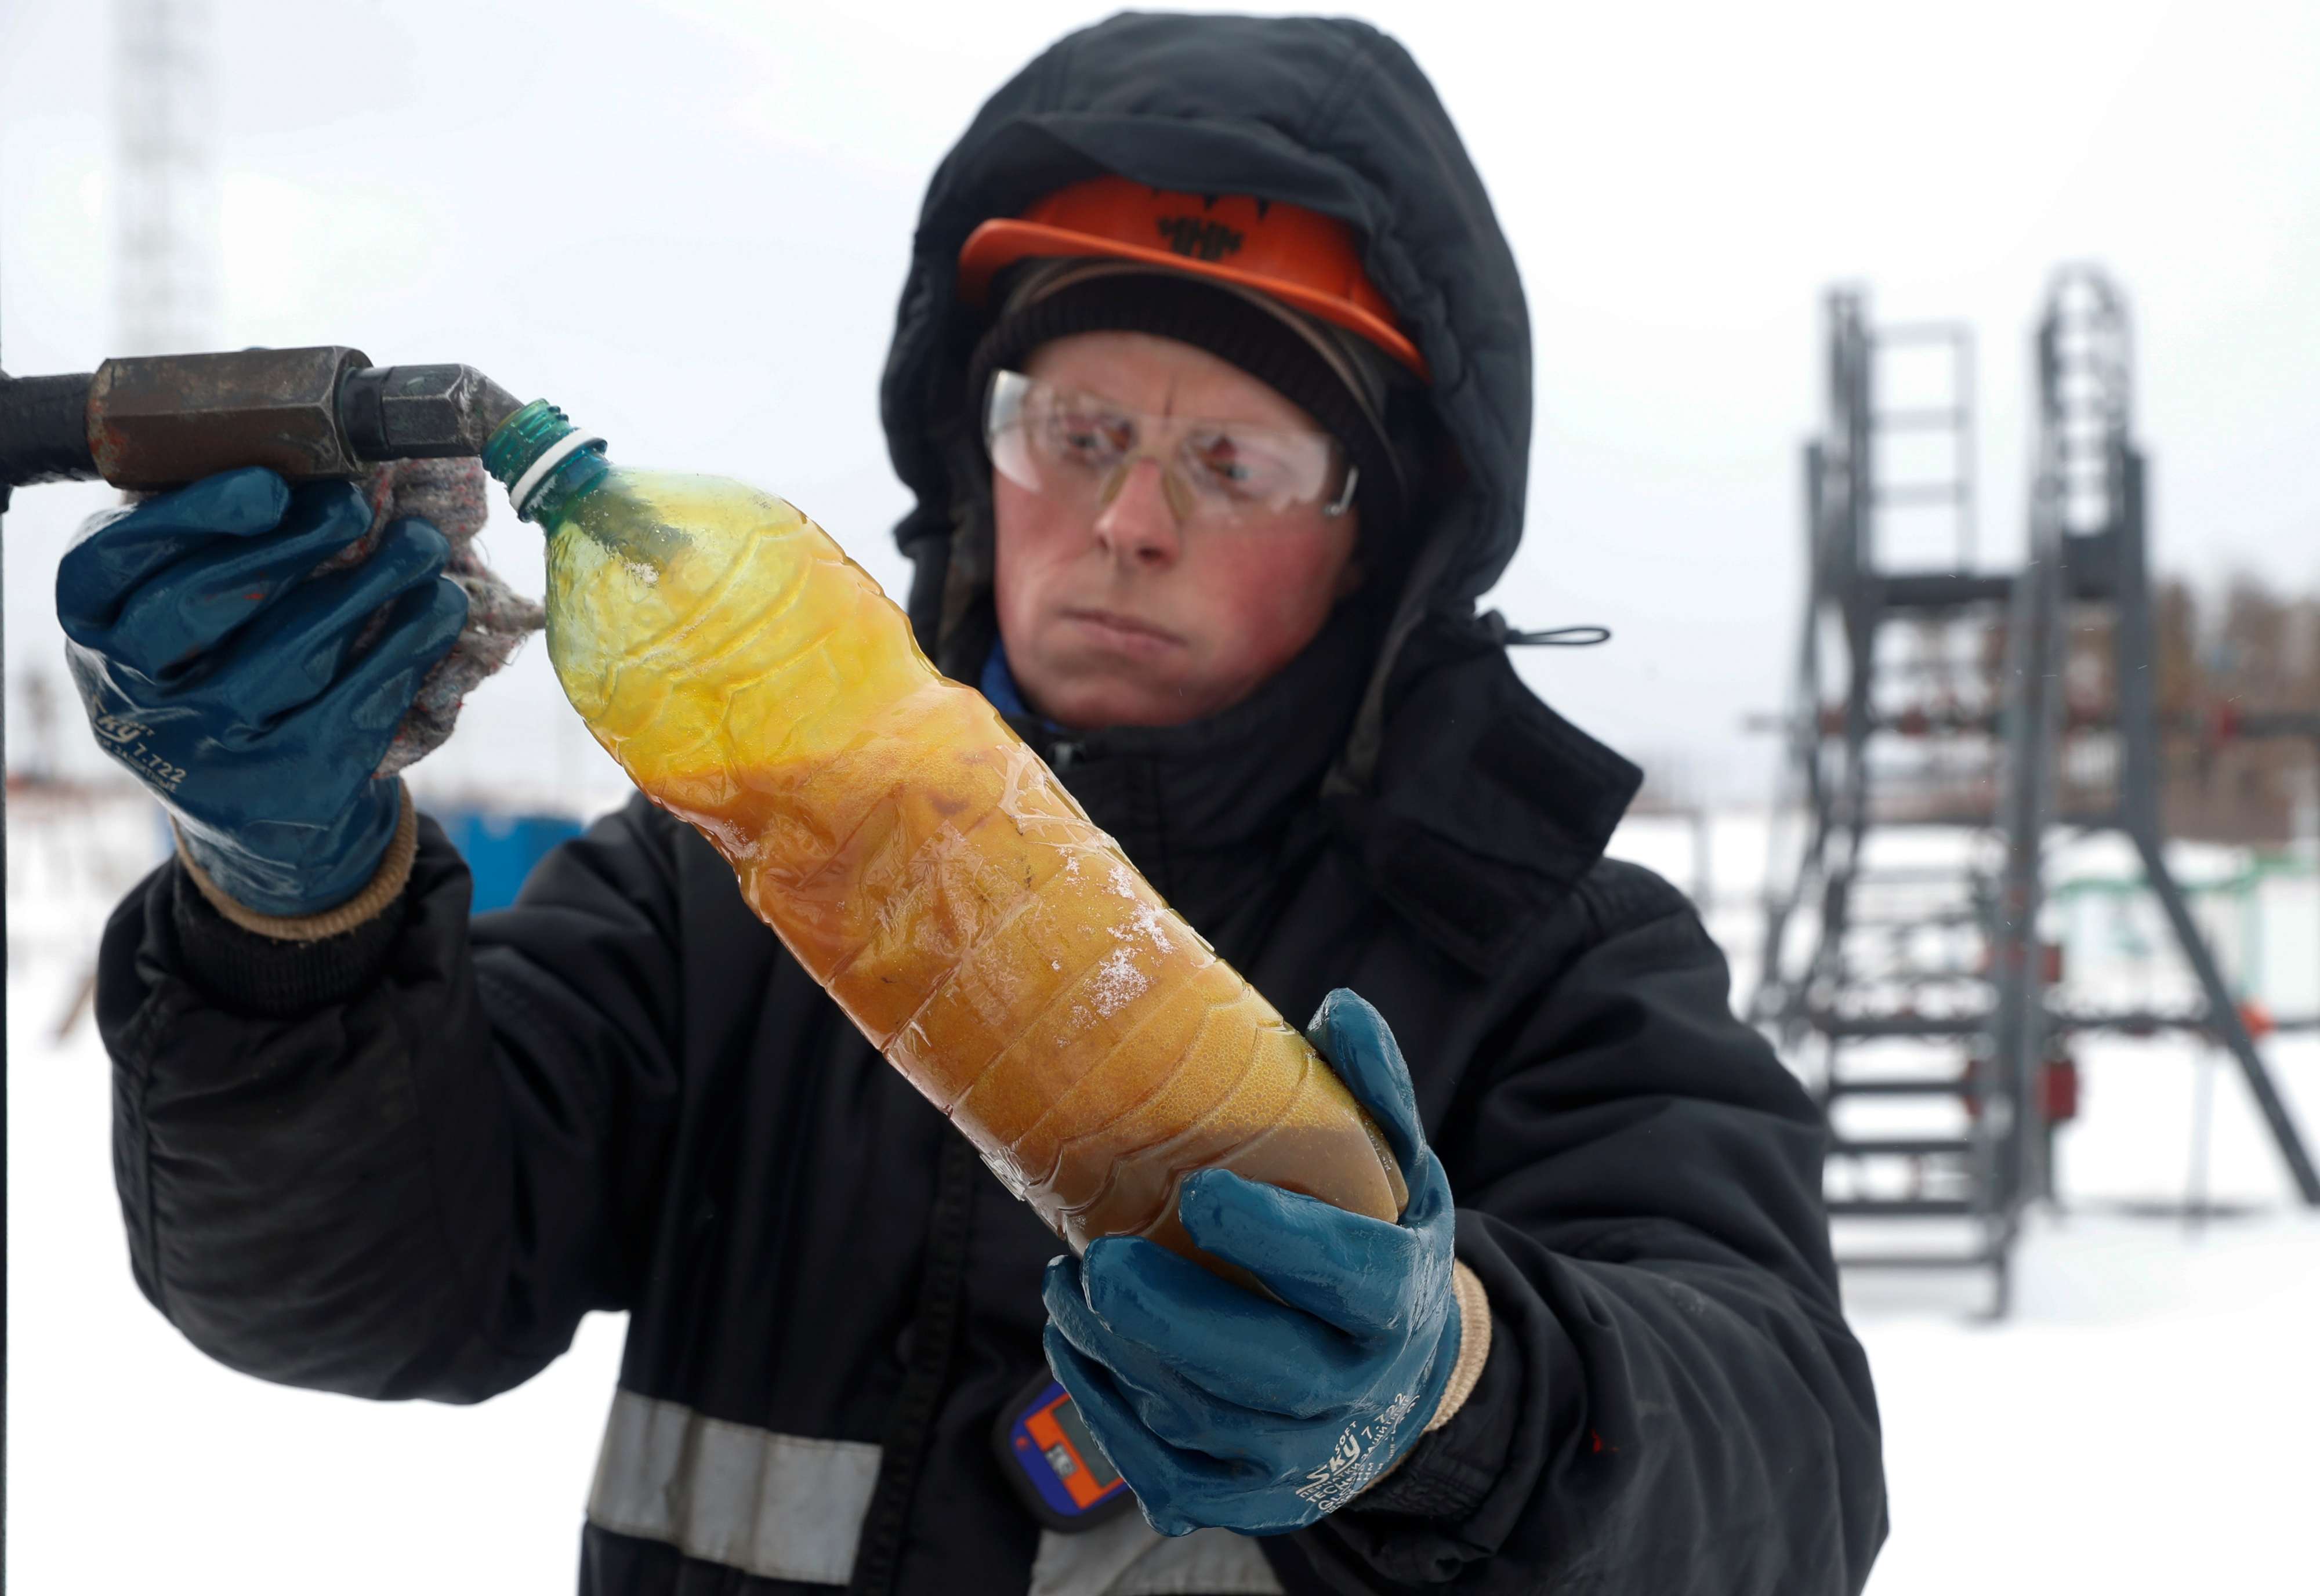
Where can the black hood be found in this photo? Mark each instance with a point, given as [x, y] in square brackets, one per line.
[1329, 115]
[1474, 805]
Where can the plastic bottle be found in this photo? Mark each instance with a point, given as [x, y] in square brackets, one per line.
[916, 856]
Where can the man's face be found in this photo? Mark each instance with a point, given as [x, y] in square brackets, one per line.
[1119, 616]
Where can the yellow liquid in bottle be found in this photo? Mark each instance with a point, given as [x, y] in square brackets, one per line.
[929, 870]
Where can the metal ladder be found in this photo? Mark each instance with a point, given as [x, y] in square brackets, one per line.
[1875, 975]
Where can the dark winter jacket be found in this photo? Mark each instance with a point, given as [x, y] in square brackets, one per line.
[404, 1162]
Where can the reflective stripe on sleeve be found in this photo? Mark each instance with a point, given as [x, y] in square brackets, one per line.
[783, 1507]
[1126, 1558]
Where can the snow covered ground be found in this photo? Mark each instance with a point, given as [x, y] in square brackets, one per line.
[2147, 1418]
[2145, 1421]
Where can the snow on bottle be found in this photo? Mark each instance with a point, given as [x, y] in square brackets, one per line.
[916, 856]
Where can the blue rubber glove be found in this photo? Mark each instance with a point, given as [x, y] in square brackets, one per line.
[1223, 1410]
[232, 686]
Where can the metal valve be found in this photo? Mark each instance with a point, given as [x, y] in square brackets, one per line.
[159, 420]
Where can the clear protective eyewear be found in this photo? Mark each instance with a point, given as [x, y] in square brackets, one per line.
[1077, 448]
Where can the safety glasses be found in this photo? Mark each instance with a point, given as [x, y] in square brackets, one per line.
[1077, 448]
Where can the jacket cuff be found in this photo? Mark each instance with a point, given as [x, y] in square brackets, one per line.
[386, 887]
[254, 973]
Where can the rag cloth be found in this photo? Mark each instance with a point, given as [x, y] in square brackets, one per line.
[449, 493]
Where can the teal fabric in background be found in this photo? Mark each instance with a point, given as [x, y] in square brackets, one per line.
[500, 847]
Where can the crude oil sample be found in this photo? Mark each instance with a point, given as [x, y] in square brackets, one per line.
[917, 857]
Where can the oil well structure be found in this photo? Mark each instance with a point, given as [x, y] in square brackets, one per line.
[1951, 727]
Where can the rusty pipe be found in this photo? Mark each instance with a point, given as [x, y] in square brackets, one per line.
[159, 420]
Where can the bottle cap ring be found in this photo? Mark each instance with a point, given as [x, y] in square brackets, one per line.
[553, 456]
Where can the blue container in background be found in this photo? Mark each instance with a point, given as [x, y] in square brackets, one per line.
[500, 848]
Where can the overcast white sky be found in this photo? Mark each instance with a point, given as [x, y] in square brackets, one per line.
[688, 222]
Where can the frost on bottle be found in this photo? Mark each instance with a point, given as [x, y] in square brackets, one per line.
[916, 856]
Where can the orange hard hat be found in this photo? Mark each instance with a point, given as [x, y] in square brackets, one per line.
[1300, 256]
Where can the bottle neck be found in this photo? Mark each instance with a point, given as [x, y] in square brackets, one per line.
[545, 463]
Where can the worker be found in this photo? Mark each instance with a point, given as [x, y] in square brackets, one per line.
[1212, 381]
